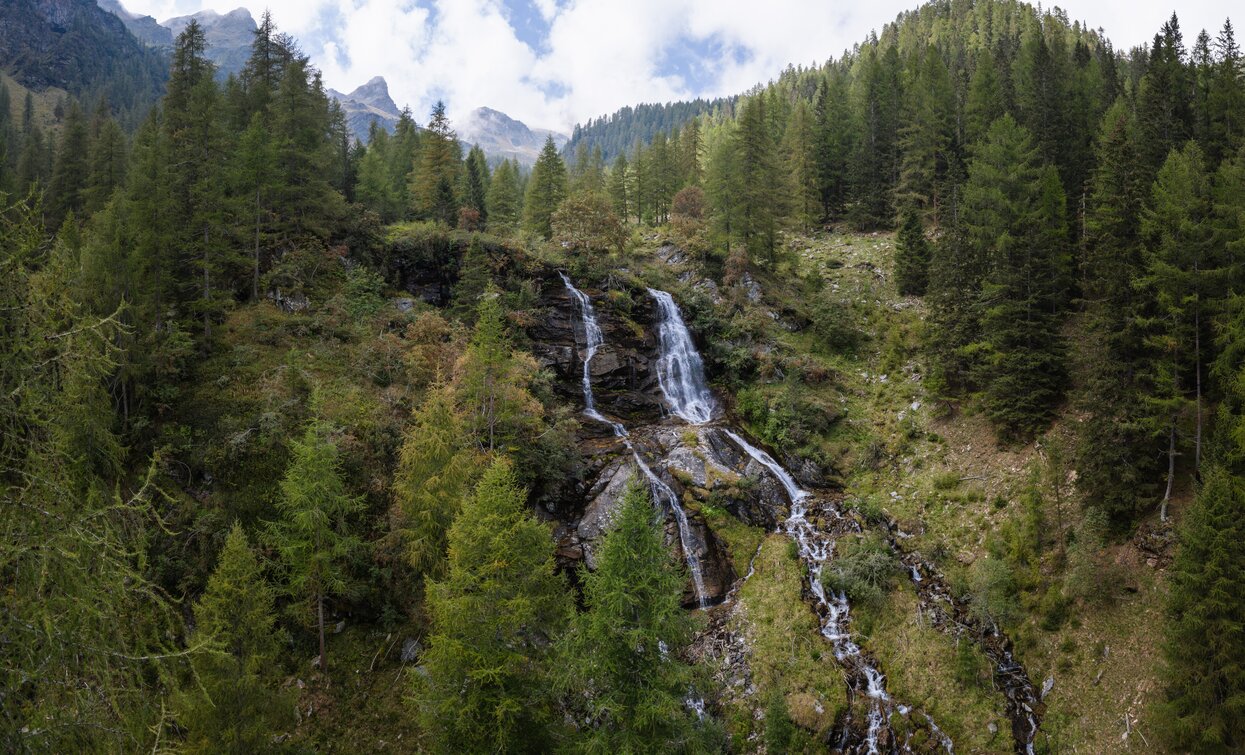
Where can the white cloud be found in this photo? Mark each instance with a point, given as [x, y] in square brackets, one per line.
[602, 54]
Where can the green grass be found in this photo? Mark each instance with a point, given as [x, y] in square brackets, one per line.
[788, 653]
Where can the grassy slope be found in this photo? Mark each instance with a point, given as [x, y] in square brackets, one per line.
[945, 479]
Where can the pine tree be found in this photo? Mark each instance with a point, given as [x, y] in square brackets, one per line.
[623, 650]
[761, 181]
[800, 150]
[436, 174]
[872, 165]
[475, 274]
[833, 142]
[437, 465]
[546, 190]
[911, 256]
[254, 177]
[71, 172]
[1163, 107]
[313, 536]
[925, 136]
[985, 100]
[476, 183]
[1176, 229]
[492, 382]
[618, 187]
[233, 703]
[494, 617]
[107, 164]
[505, 200]
[1205, 649]
[724, 186]
[1225, 102]
[1113, 454]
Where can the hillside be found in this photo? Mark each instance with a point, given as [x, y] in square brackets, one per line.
[894, 406]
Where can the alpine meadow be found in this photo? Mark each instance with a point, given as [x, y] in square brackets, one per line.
[894, 405]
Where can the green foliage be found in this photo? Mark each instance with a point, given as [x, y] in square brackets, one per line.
[494, 617]
[233, 704]
[314, 538]
[623, 651]
[1205, 651]
[911, 256]
[545, 191]
[586, 224]
[436, 467]
[864, 569]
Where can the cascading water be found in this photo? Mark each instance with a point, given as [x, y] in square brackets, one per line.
[815, 548]
[663, 493]
[680, 370]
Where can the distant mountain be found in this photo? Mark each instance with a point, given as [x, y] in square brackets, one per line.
[502, 137]
[145, 28]
[366, 105]
[228, 37]
[77, 46]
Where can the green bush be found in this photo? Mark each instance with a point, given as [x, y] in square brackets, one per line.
[865, 570]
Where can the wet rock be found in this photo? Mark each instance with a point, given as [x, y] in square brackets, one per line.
[411, 650]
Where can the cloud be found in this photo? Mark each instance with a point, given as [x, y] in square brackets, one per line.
[554, 63]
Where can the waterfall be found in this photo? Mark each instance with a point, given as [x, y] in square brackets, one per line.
[662, 493]
[815, 549]
[680, 370]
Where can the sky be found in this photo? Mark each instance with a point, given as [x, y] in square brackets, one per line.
[555, 63]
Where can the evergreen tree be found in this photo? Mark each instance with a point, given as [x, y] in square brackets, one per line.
[255, 181]
[618, 187]
[985, 102]
[475, 274]
[833, 142]
[437, 465]
[1205, 649]
[107, 164]
[505, 200]
[1175, 227]
[872, 165]
[71, 172]
[761, 181]
[233, 704]
[476, 183]
[313, 536]
[623, 649]
[436, 174]
[911, 256]
[494, 617]
[1163, 107]
[925, 136]
[1113, 455]
[492, 382]
[1225, 102]
[724, 185]
[800, 148]
[546, 190]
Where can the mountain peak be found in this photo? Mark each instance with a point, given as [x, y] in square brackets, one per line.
[501, 136]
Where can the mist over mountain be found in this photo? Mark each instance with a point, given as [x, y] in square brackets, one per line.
[502, 137]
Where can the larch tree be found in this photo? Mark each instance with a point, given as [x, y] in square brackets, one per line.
[313, 537]
[233, 703]
[623, 651]
[545, 191]
[494, 618]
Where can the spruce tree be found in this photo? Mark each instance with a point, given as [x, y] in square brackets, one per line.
[799, 147]
[1114, 447]
[618, 181]
[233, 703]
[494, 618]
[71, 171]
[505, 200]
[1175, 227]
[1205, 648]
[313, 537]
[545, 191]
[911, 256]
[623, 650]
[434, 182]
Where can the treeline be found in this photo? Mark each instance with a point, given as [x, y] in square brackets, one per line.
[620, 131]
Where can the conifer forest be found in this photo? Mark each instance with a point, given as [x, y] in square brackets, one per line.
[895, 405]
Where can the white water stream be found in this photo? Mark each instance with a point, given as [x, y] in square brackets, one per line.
[663, 493]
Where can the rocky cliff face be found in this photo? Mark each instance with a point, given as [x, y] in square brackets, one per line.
[228, 36]
[503, 137]
[366, 105]
[697, 462]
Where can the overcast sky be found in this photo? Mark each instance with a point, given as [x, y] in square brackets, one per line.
[554, 63]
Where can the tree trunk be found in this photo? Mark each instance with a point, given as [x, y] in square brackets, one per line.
[320, 621]
[1171, 468]
[255, 280]
[1197, 363]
